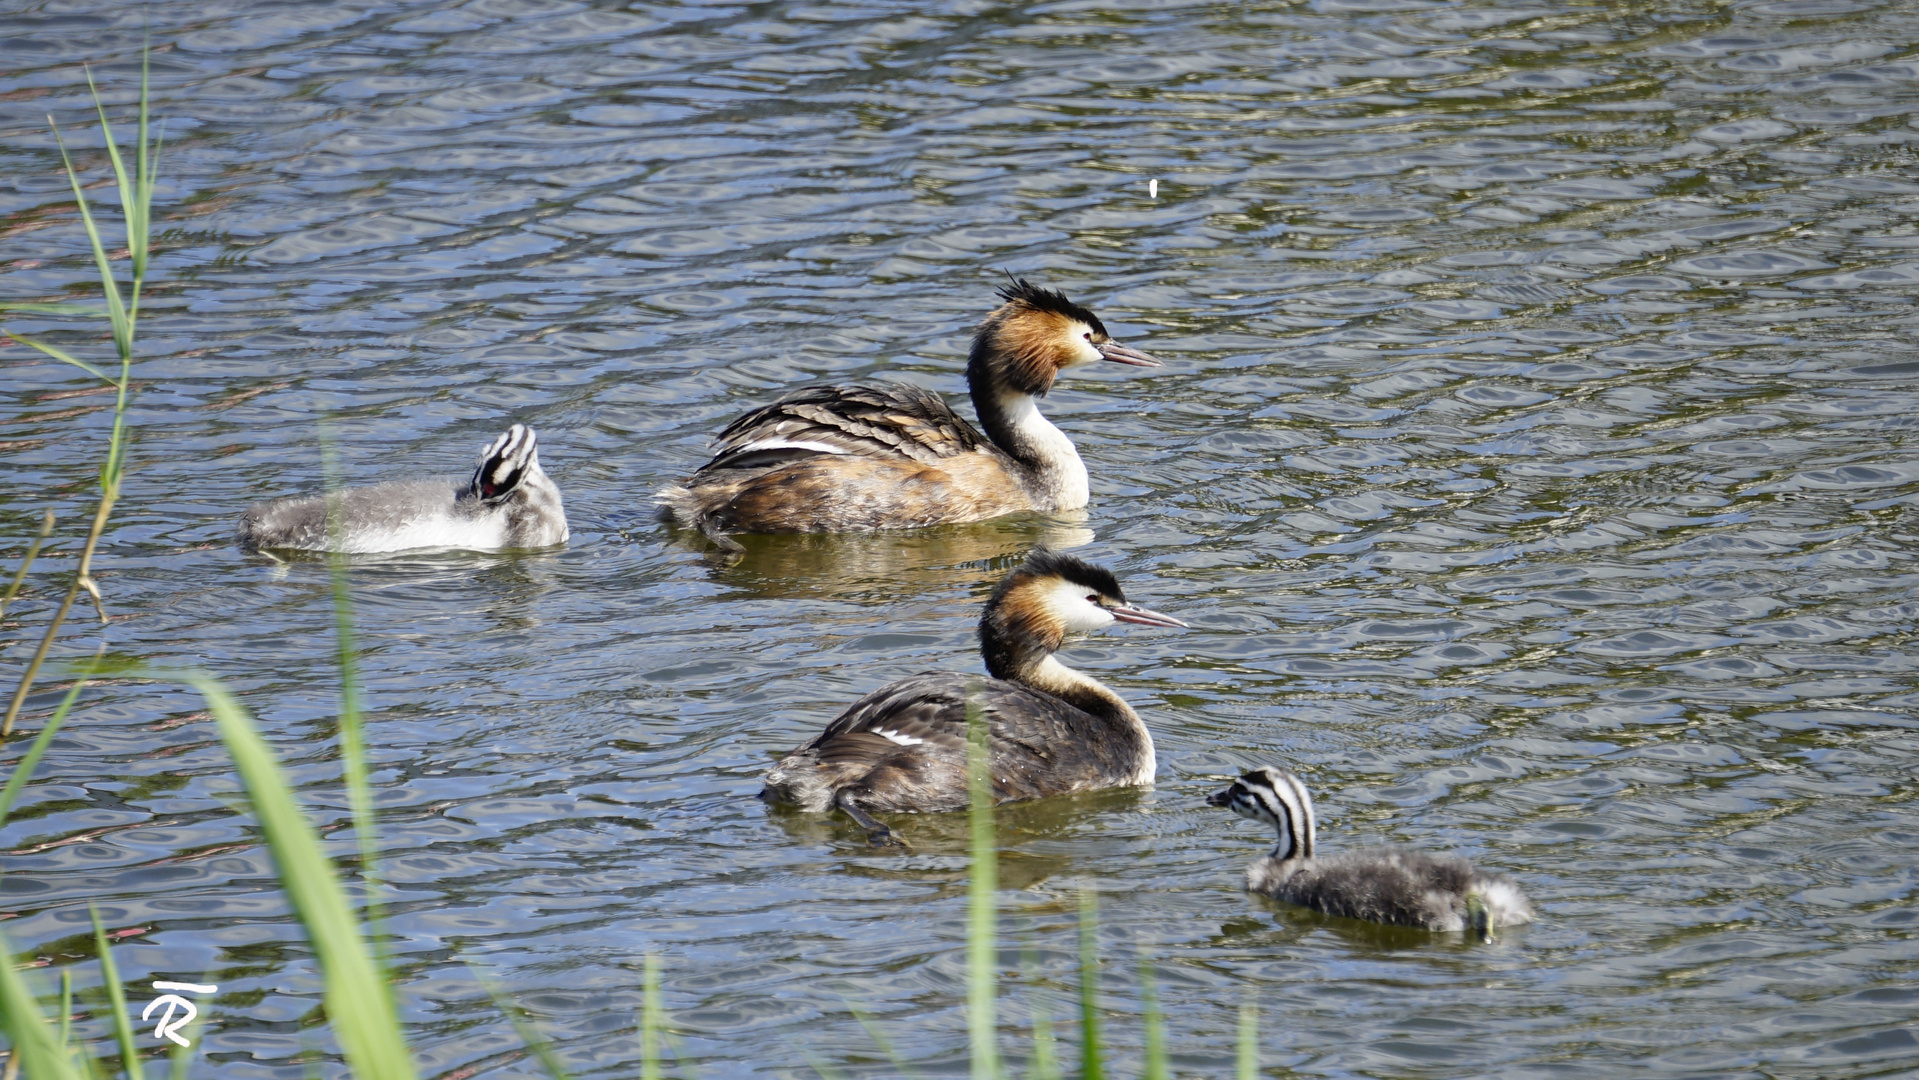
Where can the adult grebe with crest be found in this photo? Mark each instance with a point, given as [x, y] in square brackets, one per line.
[854, 457]
[1050, 730]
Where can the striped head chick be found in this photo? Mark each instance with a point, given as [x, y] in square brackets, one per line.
[1279, 799]
[1392, 885]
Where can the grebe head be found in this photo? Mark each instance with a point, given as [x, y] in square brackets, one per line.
[1038, 333]
[1047, 597]
[1277, 798]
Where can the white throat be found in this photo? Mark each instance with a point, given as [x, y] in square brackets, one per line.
[1062, 475]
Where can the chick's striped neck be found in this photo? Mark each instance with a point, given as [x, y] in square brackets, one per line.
[1285, 803]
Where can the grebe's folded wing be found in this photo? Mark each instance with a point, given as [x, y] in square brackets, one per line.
[892, 420]
[928, 711]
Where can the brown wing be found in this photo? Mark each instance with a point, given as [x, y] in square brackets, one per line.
[1036, 742]
[873, 421]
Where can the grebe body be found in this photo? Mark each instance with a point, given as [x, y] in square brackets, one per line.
[1397, 886]
[509, 502]
[1050, 730]
[852, 457]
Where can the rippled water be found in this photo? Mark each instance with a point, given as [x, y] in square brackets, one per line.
[1535, 460]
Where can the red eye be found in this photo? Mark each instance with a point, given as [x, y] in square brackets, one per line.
[1092, 598]
[1088, 335]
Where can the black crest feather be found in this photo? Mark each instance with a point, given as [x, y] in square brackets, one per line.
[1047, 563]
[1018, 290]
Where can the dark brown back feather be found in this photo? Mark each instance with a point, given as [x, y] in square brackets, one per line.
[892, 420]
[1036, 744]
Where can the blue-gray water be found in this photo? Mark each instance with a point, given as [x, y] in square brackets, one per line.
[1535, 459]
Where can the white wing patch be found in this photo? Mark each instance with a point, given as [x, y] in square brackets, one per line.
[789, 444]
[896, 737]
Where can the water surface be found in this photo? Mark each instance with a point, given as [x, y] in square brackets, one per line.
[1536, 460]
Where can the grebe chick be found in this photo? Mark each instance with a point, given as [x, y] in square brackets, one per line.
[847, 458]
[1049, 729]
[509, 503]
[1382, 885]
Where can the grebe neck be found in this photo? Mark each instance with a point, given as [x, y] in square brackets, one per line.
[1053, 471]
[1077, 689]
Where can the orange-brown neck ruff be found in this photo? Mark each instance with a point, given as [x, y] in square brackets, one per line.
[1015, 358]
[1018, 635]
[1017, 348]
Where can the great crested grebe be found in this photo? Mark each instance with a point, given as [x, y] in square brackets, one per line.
[509, 503]
[1382, 885]
[847, 458]
[1050, 730]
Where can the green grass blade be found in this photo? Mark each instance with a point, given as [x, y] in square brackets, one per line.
[1091, 1066]
[180, 1058]
[1156, 1067]
[982, 898]
[117, 995]
[152, 170]
[129, 191]
[878, 1035]
[142, 208]
[358, 1002]
[63, 356]
[66, 1008]
[352, 716]
[87, 1065]
[1045, 1061]
[118, 315]
[1248, 1041]
[26, 563]
[682, 1056]
[116, 310]
[42, 1055]
[50, 309]
[652, 1019]
[541, 1046]
[24, 771]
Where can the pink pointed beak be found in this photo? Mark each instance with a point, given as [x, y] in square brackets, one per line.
[1120, 354]
[1142, 616]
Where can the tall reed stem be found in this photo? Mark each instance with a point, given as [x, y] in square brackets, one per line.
[1091, 1067]
[352, 718]
[652, 1019]
[136, 200]
[982, 898]
[1249, 1041]
[82, 578]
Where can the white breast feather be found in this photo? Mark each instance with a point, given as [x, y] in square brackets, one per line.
[486, 533]
[1054, 447]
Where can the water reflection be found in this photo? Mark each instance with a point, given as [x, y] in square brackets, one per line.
[1536, 446]
[883, 566]
[1036, 838]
